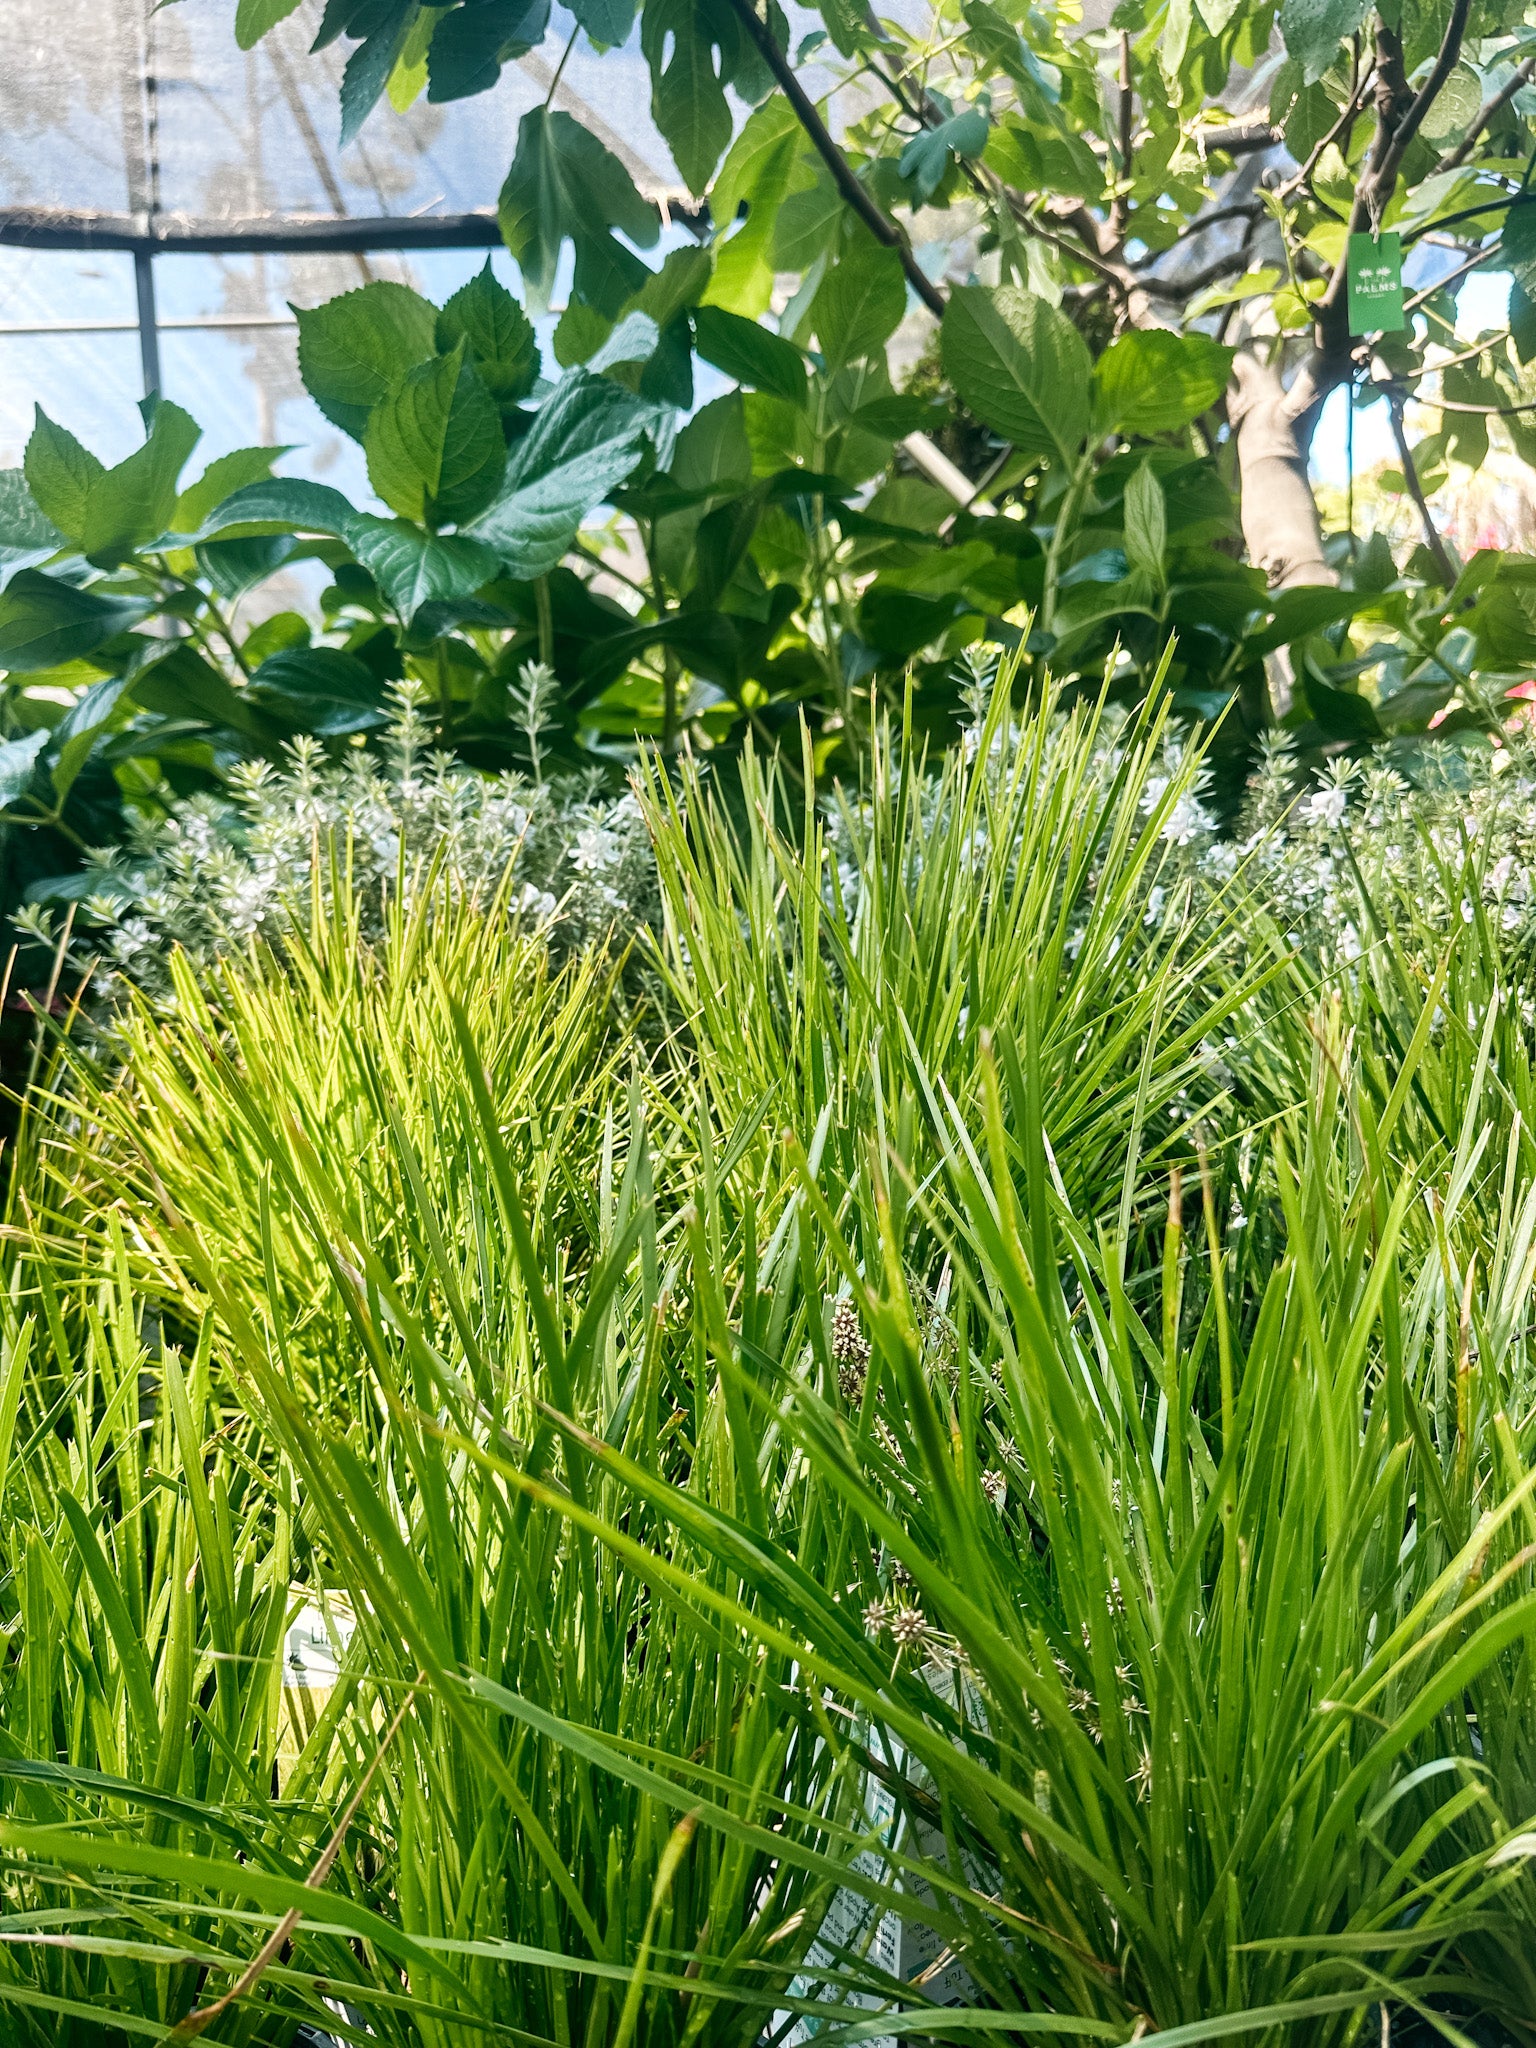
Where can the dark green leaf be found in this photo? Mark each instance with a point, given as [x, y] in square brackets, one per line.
[369, 66]
[563, 185]
[234, 567]
[322, 688]
[587, 437]
[471, 43]
[413, 568]
[78, 731]
[26, 535]
[484, 315]
[607, 22]
[434, 445]
[1021, 366]
[44, 622]
[182, 685]
[860, 302]
[354, 349]
[750, 354]
[1306, 609]
[1341, 713]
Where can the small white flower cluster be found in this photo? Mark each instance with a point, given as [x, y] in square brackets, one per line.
[1338, 859]
[1333, 857]
[217, 872]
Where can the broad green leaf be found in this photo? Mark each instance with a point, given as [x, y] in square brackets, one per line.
[580, 333]
[1021, 366]
[809, 224]
[1153, 382]
[926, 157]
[750, 353]
[182, 685]
[1315, 30]
[563, 185]
[18, 763]
[44, 622]
[471, 43]
[497, 332]
[678, 285]
[321, 689]
[235, 567]
[1146, 523]
[78, 731]
[60, 473]
[434, 445]
[409, 566]
[679, 38]
[281, 502]
[607, 22]
[860, 303]
[413, 568]
[222, 477]
[585, 440]
[253, 18]
[369, 66]
[131, 505]
[27, 536]
[354, 349]
[632, 341]
[757, 174]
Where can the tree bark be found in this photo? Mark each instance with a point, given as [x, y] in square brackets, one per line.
[1279, 513]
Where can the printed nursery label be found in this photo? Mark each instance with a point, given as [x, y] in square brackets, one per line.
[1375, 284]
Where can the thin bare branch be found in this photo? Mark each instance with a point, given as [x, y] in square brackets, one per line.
[1432, 538]
[879, 223]
[1494, 104]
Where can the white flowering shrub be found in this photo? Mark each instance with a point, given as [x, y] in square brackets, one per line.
[1367, 846]
[1366, 849]
[218, 872]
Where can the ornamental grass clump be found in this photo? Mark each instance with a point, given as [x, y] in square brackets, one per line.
[921, 1378]
[158, 1783]
[1173, 1649]
[845, 964]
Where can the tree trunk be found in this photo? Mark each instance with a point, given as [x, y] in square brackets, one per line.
[1279, 512]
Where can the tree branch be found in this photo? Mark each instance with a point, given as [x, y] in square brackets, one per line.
[1121, 207]
[1241, 138]
[1432, 538]
[1399, 115]
[1494, 104]
[880, 225]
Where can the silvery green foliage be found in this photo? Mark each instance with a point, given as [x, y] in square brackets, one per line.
[1335, 857]
[218, 873]
[1339, 858]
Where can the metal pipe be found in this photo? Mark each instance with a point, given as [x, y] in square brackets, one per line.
[149, 329]
[56, 228]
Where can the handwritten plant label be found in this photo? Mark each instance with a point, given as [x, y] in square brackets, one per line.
[1375, 284]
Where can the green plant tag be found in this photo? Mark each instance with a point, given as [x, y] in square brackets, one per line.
[1375, 284]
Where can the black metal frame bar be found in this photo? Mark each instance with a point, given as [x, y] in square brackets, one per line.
[48, 228]
[40, 228]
